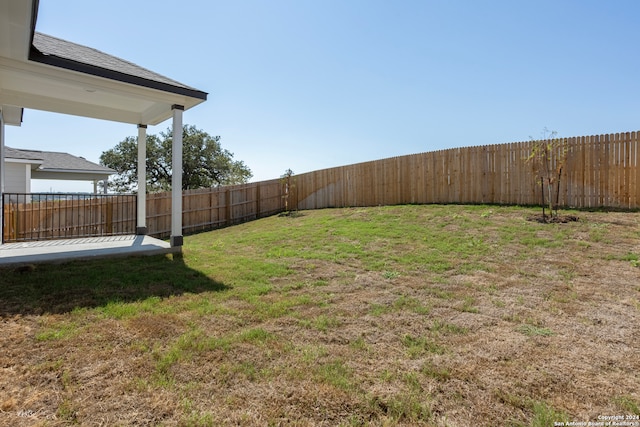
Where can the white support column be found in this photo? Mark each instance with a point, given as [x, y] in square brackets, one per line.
[2, 168]
[141, 228]
[2, 175]
[176, 178]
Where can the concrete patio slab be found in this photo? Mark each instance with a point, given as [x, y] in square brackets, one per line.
[59, 251]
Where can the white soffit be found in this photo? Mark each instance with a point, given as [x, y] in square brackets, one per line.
[44, 87]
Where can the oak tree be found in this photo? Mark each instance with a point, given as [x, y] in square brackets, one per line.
[204, 163]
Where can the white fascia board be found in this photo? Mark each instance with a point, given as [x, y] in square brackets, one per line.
[69, 175]
[35, 163]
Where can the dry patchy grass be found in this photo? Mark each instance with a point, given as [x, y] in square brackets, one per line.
[407, 315]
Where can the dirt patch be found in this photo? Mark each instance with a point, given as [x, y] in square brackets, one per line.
[553, 219]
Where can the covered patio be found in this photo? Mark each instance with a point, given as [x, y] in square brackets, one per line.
[42, 72]
[57, 251]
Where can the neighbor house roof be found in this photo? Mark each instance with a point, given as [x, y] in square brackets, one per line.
[52, 162]
[12, 153]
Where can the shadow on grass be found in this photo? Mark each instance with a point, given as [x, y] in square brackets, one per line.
[290, 214]
[57, 289]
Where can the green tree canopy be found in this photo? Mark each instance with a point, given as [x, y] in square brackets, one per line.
[205, 163]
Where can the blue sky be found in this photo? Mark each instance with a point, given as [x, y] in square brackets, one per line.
[308, 85]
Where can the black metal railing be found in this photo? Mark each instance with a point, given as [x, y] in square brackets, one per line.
[47, 216]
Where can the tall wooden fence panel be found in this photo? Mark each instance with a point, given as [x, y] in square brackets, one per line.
[208, 208]
[600, 171]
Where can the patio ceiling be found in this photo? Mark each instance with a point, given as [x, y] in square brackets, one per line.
[45, 73]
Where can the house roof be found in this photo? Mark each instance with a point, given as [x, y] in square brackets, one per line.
[47, 73]
[72, 56]
[57, 162]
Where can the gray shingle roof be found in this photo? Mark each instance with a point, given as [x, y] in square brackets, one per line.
[64, 54]
[12, 153]
[53, 161]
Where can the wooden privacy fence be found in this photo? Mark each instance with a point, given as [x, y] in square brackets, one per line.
[600, 171]
[32, 217]
[207, 208]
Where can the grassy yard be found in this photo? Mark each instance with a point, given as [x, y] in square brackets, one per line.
[388, 316]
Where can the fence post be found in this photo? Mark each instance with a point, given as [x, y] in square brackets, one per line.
[227, 202]
[257, 200]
